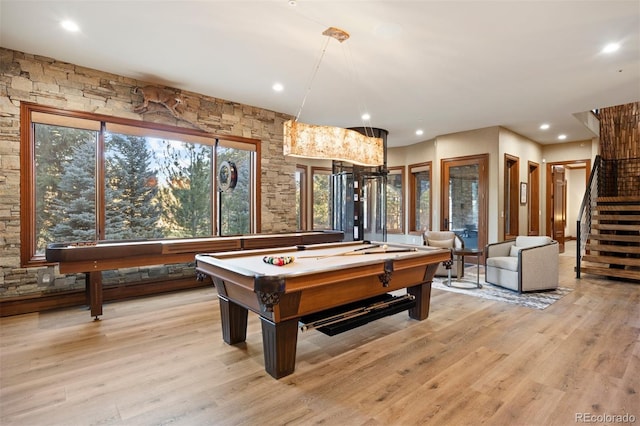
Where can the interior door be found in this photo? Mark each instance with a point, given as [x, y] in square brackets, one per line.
[559, 204]
[533, 211]
[464, 198]
[374, 203]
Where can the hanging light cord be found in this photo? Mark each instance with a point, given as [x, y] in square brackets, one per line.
[355, 82]
[313, 76]
[351, 69]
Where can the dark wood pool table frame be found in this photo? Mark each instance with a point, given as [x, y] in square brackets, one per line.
[282, 299]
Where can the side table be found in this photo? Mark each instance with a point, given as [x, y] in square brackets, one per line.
[472, 252]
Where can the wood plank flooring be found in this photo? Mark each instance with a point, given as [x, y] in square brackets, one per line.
[161, 360]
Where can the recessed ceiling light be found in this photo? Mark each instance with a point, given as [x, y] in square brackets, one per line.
[611, 47]
[562, 137]
[544, 126]
[366, 116]
[278, 87]
[293, 3]
[70, 26]
[419, 132]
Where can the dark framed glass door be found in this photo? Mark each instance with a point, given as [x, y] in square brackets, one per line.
[464, 198]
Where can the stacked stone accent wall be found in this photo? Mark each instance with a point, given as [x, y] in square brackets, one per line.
[46, 81]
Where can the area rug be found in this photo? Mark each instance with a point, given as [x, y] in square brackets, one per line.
[533, 300]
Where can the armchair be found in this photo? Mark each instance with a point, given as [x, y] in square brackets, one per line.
[446, 239]
[528, 263]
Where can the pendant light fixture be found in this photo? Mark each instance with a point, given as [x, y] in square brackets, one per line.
[328, 142]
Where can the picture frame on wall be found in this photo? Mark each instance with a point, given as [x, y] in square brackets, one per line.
[523, 192]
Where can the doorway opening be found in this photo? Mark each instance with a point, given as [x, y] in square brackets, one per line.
[533, 210]
[511, 196]
[566, 183]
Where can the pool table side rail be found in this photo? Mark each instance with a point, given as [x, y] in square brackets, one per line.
[219, 260]
[246, 286]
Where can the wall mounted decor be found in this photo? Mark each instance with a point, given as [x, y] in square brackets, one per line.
[166, 98]
[523, 192]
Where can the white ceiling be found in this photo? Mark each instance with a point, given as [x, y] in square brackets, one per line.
[441, 66]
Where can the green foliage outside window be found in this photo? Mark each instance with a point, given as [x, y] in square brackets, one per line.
[153, 188]
[423, 195]
[321, 201]
[186, 193]
[394, 202]
[65, 191]
[235, 204]
[132, 207]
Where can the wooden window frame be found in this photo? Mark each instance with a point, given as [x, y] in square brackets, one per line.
[303, 170]
[324, 171]
[414, 169]
[395, 171]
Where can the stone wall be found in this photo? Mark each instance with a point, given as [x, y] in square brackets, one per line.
[45, 81]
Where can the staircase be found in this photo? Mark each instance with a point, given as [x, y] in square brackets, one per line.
[613, 245]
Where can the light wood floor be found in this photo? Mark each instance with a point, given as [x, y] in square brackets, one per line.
[161, 360]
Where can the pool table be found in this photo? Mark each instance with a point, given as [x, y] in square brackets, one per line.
[320, 278]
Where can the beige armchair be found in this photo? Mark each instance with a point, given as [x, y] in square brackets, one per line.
[446, 239]
[528, 263]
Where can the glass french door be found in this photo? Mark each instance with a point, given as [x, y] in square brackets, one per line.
[374, 203]
[464, 198]
[359, 202]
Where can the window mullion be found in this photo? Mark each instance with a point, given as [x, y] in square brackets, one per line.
[100, 185]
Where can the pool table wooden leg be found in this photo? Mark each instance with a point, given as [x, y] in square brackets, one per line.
[234, 321]
[422, 293]
[93, 291]
[279, 341]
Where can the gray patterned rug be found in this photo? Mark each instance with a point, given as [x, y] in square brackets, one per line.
[534, 300]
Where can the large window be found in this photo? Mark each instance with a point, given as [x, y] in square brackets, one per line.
[420, 207]
[64, 184]
[395, 200]
[321, 203]
[301, 197]
[236, 204]
[88, 178]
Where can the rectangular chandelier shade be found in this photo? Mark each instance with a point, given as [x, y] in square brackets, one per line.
[332, 143]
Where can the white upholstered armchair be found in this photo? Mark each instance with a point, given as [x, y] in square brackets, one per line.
[528, 263]
[446, 239]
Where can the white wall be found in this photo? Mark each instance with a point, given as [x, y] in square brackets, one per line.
[576, 185]
[569, 152]
[526, 150]
[581, 150]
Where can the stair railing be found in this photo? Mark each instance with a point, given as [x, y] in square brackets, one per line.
[583, 228]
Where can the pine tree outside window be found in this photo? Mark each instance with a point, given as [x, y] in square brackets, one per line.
[65, 187]
[420, 197]
[97, 178]
[321, 198]
[395, 200]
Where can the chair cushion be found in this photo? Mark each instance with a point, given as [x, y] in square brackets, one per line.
[440, 243]
[531, 241]
[507, 262]
[515, 250]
